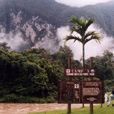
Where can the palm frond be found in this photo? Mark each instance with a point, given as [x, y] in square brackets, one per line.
[89, 34]
[95, 36]
[80, 26]
[70, 37]
[88, 23]
[74, 29]
[74, 20]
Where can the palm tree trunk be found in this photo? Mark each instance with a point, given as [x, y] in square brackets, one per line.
[83, 51]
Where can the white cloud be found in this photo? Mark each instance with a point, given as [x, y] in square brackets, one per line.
[15, 41]
[50, 45]
[80, 3]
[92, 48]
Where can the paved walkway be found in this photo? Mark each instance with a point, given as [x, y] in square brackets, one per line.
[22, 108]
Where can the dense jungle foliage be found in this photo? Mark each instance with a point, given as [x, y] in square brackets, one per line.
[33, 74]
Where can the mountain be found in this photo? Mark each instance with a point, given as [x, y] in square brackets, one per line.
[38, 20]
[104, 15]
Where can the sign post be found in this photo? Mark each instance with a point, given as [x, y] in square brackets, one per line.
[91, 104]
[91, 108]
[80, 91]
[69, 66]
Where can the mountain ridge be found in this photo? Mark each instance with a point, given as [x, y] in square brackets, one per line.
[38, 20]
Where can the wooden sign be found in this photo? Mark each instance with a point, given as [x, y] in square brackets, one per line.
[92, 92]
[81, 92]
[69, 92]
[80, 72]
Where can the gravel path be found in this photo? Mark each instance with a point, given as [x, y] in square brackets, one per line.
[18, 108]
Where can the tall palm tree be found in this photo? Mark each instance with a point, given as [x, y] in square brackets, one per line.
[80, 26]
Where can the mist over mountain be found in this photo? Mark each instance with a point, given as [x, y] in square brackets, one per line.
[36, 22]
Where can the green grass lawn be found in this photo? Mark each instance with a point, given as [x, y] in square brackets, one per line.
[86, 110]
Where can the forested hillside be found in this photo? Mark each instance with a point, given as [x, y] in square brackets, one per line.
[33, 75]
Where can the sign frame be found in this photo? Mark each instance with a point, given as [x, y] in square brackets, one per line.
[98, 87]
[60, 89]
[79, 90]
[80, 72]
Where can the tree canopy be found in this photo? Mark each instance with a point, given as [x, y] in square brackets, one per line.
[78, 32]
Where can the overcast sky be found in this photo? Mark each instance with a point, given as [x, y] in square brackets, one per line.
[80, 3]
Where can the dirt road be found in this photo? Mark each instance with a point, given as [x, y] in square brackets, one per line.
[15, 108]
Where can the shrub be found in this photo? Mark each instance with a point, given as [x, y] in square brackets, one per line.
[10, 98]
[50, 99]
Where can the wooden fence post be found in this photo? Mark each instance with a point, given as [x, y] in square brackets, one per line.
[69, 66]
[91, 66]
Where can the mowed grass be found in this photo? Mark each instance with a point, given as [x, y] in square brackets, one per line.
[86, 110]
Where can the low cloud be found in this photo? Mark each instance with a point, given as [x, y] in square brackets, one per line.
[47, 43]
[92, 48]
[15, 41]
[80, 3]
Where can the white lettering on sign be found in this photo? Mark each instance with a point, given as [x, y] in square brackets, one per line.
[70, 82]
[92, 84]
[92, 74]
[76, 86]
[91, 99]
[76, 94]
[90, 91]
[67, 70]
[80, 72]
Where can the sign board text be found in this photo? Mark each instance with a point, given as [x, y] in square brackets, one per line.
[80, 72]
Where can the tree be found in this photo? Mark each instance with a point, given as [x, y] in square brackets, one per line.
[78, 32]
[4, 46]
[104, 64]
[63, 54]
[108, 56]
